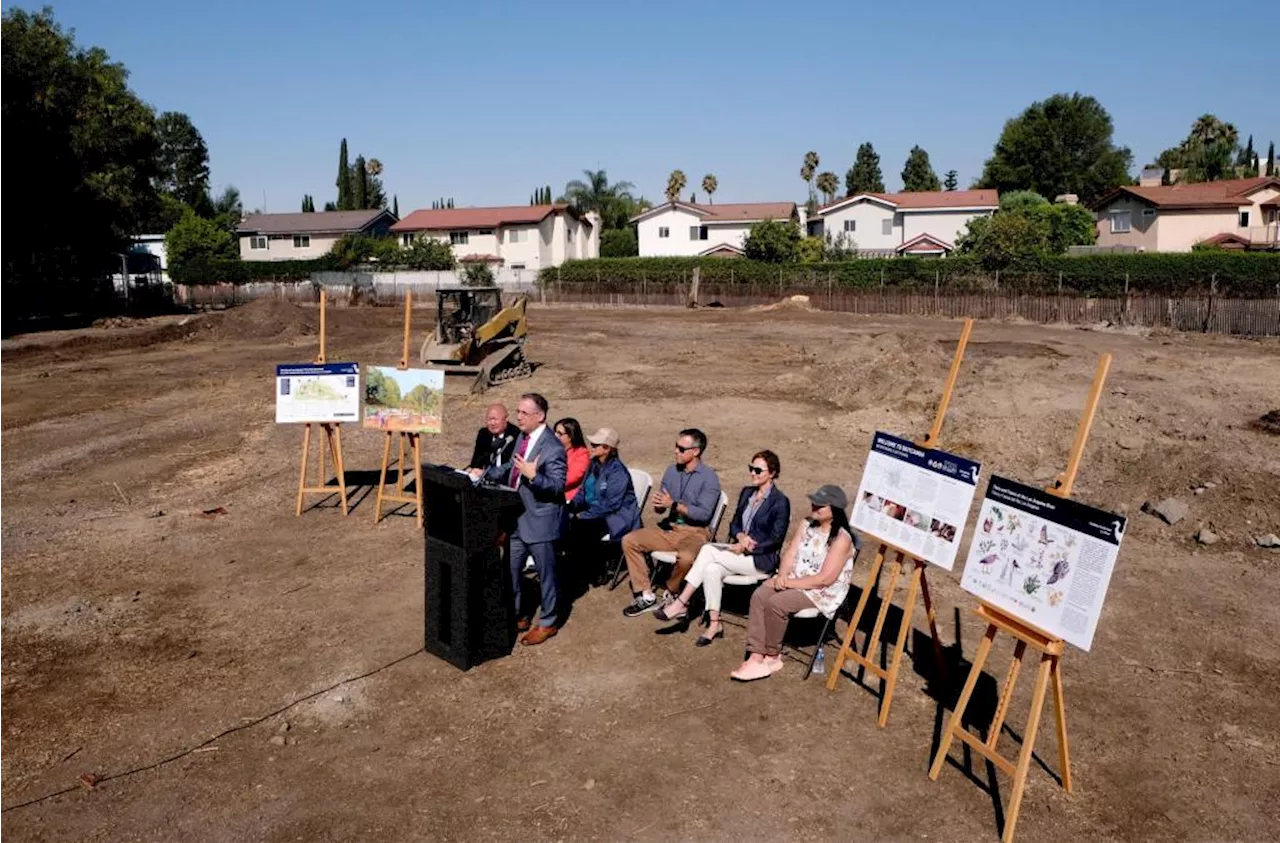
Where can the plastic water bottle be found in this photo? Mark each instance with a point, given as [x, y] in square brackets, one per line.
[820, 663]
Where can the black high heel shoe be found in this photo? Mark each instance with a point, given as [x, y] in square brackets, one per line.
[704, 641]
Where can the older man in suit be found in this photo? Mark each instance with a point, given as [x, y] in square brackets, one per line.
[537, 471]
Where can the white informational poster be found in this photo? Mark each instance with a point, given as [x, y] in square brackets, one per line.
[1043, 559]
[916, 499]
[317, 392]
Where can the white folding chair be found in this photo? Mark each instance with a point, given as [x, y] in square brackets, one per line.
[642, 483]
[668, 557]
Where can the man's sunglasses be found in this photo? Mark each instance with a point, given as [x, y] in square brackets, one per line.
[682, 449]
[755, 469]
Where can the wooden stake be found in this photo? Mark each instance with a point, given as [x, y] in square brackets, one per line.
[413, 440]
[1049, 673]
[918, 584]
[333, 442]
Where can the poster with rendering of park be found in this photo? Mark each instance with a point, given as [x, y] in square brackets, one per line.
[1045, 560]
[317, 393]
[404, 400]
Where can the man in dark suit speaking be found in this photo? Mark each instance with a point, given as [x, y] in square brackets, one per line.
[537, 471]
[495, 442]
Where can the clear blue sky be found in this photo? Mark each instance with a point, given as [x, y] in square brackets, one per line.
[483, 101]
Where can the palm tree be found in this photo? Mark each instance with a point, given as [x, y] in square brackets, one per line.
[807, 169]
[373, 167]
[612, 201]
[828, 184]
[709, 186]
[675, 184]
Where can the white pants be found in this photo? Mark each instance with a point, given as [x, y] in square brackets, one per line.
[712, 566]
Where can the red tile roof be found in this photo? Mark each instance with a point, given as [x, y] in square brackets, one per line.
[926, 243]
[445, 219]
[929, 199]
[1229, 193]
[746, 211]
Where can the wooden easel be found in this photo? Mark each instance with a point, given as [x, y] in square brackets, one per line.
[918, 583]
[1049, 647]
[413, 441]
[333, 443]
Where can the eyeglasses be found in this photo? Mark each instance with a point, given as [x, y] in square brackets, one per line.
[682, 449]
[755, 469]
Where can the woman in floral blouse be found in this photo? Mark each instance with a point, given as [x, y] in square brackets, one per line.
[815, 573]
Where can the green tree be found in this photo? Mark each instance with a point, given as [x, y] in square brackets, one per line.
[1166, 177]
[226, 211]
[344, 179]
[1208, 153]
[89, 144]
[1026, 227]
[596, 193]
[1018, 201]
[619, 243]
[951, 181]
[1271, 159]
[395, 206]
[773, 241]
[811, 250]
[709, 186]
[477, 274]
[1060, 145]
[330, 206]
[917, 173]
[428, 253]
[196, 240]
[675, 185]
[422, 399]
[807, 171]
[1247, 155]
[183, 160]
[828, 184]
[359, 185]
[864, 176]
[308, 204]
[1069, 225]
[380, 390]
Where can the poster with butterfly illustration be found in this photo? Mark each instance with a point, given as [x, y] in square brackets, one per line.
[1045, 560]
[916, 499]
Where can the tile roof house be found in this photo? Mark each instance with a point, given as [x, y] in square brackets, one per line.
[1174, 218]
[686, 229]
[302, 236]
[515, 236]
[925, 222]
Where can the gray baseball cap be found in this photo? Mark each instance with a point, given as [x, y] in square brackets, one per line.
[829, 495]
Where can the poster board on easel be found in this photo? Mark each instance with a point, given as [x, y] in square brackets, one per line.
[1083, 572]
[325, 395]
[897, 467]
[405, 403]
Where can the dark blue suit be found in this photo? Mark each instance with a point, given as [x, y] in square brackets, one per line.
[538, 527]
[768, 527]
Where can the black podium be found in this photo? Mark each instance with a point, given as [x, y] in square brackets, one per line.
[469, 609]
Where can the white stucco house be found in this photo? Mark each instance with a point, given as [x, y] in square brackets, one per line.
[907, 223]
[304, 236]
[683, 229]
[514, 236]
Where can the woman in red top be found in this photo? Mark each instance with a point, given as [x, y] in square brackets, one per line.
[569, 432]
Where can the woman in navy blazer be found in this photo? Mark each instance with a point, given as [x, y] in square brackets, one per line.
[758, 531]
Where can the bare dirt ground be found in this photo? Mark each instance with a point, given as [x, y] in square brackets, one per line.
[134, 629]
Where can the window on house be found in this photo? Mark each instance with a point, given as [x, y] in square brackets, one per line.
[850, 225]
[257, 242]
[485, 232]
[663, 231]
[302, 241]
[1148, 212]
[517, 266]
[516, 235]
[1121, 222]
[886, 226]
[458, 238]
[406, 239]
[697, 232]
[1244, 219]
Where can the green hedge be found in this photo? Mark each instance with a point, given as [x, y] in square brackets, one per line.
[1251, 275]
[240, 272]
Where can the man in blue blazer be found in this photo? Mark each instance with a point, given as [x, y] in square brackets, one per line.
[537, 471]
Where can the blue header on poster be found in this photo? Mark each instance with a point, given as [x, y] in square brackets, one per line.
[939, 462]
[299, 370]
[1096, 523]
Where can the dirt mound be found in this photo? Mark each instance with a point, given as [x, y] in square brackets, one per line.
[901, 368]
[268, 319]
[1268, 422]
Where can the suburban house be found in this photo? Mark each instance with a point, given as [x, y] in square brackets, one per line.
[922, 223]
[303, 236]
[683, 229]
[516, 237]
[1234, 213]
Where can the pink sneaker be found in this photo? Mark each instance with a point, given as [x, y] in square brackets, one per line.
[750, 671]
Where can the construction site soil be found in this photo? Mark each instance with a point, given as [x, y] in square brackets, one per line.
[184, 658]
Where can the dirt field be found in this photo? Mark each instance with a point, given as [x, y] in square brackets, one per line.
[135, 629]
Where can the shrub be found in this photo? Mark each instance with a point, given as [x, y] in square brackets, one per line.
[195, 240]
[772, 241]
[619, 243]
[426, 253]
[477, 275]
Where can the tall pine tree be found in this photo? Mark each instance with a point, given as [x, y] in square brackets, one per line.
[1271, 159]
[917, 173]
[864, 176]
[395, 205]
[359, 185]
[344, 179]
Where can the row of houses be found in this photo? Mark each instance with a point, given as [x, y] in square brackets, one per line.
[1233, 214]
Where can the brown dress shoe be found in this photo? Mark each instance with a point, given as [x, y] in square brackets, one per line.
[523, 625]
[537, 635]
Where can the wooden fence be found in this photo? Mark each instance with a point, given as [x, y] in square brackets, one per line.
[1202, 312]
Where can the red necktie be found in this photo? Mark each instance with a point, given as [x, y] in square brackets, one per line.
[520, 452]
